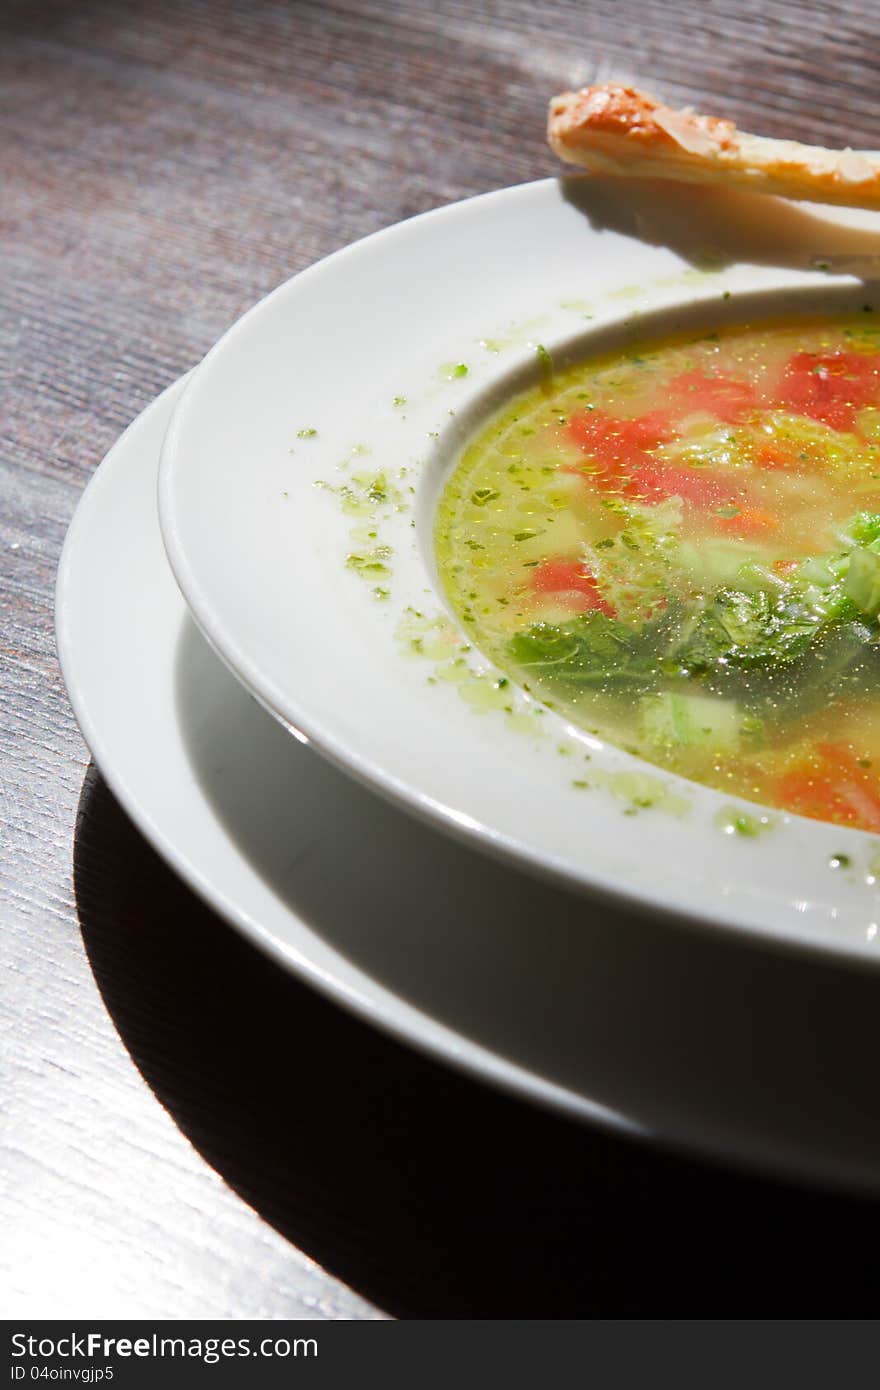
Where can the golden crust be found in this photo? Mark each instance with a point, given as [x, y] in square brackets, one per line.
[619, 130]
[625, 111]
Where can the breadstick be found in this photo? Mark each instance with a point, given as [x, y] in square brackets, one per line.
[614, 129]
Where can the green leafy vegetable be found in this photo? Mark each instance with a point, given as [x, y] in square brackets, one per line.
[592, 649]
[770, 647]
[749, 629]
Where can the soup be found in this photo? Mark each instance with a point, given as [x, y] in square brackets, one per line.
[678, 549]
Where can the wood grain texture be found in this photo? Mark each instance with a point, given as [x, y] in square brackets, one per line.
[161, 166]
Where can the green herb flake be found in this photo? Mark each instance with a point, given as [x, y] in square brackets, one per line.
[369, 562]
[545, 361]
[732, 821]
[453, 371]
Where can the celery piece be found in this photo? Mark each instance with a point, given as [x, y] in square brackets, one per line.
[823, 570]
[863, 528]
[716, 560]
[670, 720]
[862, 582]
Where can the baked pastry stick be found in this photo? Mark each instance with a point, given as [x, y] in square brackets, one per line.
[612, 129]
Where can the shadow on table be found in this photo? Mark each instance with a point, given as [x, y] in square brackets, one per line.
[425, 1191]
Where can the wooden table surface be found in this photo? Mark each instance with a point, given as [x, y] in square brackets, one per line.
[163, 165]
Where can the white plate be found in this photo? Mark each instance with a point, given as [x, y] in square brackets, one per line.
[653, 1031]
[302, 392]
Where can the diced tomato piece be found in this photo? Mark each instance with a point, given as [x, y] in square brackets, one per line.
[806, 794]
[840, 755]
[610, 438]
[620, 462]
[576, 601]
[552, 575]
[722, 396]
[830, 386]
[778, 455]
[785, 566]
[833, 786]
[656, 481]
[571, 578]
[648, 430]
[618, 451]
[616, 447]
[748, 521]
